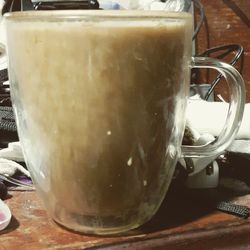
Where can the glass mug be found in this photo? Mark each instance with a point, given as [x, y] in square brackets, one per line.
[100, 100]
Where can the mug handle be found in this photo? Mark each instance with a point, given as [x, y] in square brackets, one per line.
[235, 112]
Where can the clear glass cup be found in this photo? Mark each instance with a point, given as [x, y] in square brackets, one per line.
[100, 99]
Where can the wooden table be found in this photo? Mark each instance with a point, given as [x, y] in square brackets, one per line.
[184, 221]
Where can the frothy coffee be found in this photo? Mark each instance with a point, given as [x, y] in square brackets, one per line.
[97, 104]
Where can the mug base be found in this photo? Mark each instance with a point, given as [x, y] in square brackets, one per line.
[96, 225]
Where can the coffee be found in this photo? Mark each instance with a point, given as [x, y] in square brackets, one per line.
[100, 107]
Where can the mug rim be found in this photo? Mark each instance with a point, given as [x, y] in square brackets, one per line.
[95, 14]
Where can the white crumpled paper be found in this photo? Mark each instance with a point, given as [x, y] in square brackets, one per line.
[207, 119]
[210, 117]
[169, 5]
[9, 158]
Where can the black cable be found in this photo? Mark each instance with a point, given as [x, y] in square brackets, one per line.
[200, 7]
[229, 49]
[24, 5]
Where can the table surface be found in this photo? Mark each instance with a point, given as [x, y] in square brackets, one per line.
[186, 221]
